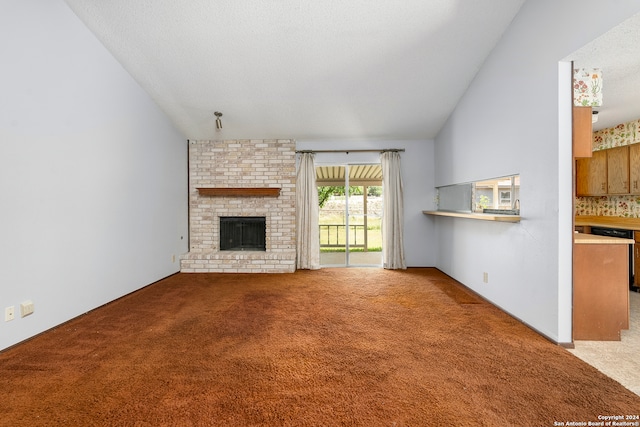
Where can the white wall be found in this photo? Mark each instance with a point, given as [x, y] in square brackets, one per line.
[93, 176]
[507, 123]
[418, 184]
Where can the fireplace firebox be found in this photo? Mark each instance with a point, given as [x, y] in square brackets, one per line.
[243, 233]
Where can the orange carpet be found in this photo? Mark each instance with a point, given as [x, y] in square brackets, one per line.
[333, 347]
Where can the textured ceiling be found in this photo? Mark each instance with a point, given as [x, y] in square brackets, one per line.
[332, 69]
[617, 54]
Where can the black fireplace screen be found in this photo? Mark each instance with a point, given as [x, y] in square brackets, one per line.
[243, 233]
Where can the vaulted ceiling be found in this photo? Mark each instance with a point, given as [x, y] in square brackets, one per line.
[306, 70]
[332, 69]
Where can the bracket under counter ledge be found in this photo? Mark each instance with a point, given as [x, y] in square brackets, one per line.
[476, 216]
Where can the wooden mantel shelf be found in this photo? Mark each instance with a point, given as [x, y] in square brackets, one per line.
[239, 192]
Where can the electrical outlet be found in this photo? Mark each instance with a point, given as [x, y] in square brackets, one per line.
[26, 308]
[173, 258]
[485, 277]
[9, 313]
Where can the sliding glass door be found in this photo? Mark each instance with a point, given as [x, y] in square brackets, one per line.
[350, 198]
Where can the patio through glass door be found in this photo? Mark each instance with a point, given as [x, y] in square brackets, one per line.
[350, 199]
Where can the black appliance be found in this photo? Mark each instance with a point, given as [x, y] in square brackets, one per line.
[625, 234]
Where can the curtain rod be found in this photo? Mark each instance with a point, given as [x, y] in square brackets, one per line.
[350, 151]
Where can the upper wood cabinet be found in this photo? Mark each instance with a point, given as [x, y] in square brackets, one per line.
[611, 171]
[636, 258]
[618, 170]
[634, 169]
[591, 175]
[582, 132]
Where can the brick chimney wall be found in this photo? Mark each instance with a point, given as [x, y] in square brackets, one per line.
[241, 164]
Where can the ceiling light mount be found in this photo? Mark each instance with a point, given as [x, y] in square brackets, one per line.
[218, 114]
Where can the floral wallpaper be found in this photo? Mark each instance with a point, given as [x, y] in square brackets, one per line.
[622, 206]
[622, 134]
[587, 87]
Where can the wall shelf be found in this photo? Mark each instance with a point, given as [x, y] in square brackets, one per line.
[239, 192]
[476, 216]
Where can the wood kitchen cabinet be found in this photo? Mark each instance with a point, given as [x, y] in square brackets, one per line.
[591, 175]
[618, 170]
[636, 258]
[582, 132]
[611, 171]
[600, 290]
[634, 168]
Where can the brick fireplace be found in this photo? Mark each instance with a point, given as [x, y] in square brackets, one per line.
[241, 178]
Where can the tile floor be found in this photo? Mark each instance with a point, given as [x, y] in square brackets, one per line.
[619, 360]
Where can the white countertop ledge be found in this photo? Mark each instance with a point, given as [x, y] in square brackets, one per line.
[476, 216]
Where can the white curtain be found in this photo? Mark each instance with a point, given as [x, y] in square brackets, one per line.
[393, 212]
[307, 212]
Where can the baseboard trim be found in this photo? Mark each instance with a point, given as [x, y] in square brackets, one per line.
[84, 314]
[542, 334]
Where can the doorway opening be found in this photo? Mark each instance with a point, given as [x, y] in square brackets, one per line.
[350, 220]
